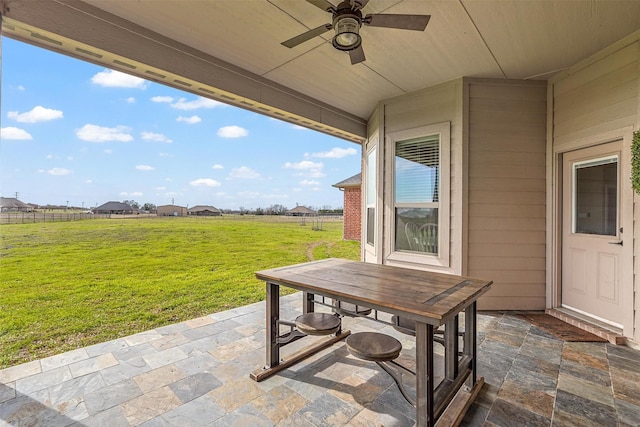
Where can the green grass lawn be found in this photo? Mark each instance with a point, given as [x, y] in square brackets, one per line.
[72, 284]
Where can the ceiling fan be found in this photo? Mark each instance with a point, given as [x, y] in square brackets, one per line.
[346, 21]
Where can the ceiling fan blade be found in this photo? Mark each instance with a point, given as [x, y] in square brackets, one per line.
[321, 4]
[358, 4]
[295, 41]
[403, 22]
[357, 55]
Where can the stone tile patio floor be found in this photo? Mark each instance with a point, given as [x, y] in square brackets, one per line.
[196, 373]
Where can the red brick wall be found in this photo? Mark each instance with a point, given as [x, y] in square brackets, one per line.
[352, 213]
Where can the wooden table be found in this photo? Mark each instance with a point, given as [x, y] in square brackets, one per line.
[431, 299]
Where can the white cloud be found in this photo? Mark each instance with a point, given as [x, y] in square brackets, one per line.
[133, 194]
[49, 156]
[336, 153]
[108, 151]
[162, 99]
[160, 188]
[232, 132]
[112, 78]
[243, 172]
[309, 182]
[199, 102]
[156, 137]
[59, 171]
[21, 88]
[37, 114]
[131, 100]
[205, 182]
[189, 120]
[307, 168]
[164, 155]
[95, 133]
[145, 168]
[88, 181]
[14, 133]
[217, 166]
[298, 127]
[303, 165]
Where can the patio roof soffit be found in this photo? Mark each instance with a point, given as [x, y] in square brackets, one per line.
[82, 31]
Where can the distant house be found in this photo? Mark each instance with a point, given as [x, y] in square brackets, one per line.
[11, 204]
[114, 208]
[202, 210]
[172, 210]
[352, 207]
[301, 211]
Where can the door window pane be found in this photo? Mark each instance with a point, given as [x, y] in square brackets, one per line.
[596, 197]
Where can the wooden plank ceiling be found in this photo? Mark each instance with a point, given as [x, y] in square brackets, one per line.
[241, 60]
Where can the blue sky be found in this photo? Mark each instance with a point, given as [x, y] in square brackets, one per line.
[78, 133]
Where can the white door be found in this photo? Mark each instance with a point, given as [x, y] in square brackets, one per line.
[593, 239]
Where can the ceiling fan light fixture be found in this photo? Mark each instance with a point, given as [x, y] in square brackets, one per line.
[347, 33]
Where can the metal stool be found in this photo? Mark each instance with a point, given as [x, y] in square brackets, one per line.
[407, 326]
[318, 323]
[382, 349]
[347, 309]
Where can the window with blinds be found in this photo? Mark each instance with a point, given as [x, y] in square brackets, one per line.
[371, 197]
[417, 194]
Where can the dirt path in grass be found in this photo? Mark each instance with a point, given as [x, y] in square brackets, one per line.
[315, 245]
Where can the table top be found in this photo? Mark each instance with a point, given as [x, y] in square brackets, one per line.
[421, 295]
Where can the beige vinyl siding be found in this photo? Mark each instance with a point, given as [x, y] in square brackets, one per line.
[601, 97]
[506, 191]
[437, 104]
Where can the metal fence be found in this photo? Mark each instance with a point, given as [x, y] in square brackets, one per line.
[33, 217]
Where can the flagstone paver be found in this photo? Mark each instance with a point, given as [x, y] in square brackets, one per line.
[196, 373]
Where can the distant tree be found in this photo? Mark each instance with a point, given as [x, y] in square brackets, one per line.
[149, 207]
[259, 211]
[277, 209]
[132, 203]
[242, 210]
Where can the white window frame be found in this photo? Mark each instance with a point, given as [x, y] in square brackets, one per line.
[441, 259]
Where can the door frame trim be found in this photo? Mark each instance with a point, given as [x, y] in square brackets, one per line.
[554, 235]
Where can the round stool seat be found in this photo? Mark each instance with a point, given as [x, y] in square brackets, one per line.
[373, 346]
[318, 323]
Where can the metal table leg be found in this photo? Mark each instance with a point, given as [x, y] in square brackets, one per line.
[424, 375]
[451, 349]
[470, 344]
[273, 329]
